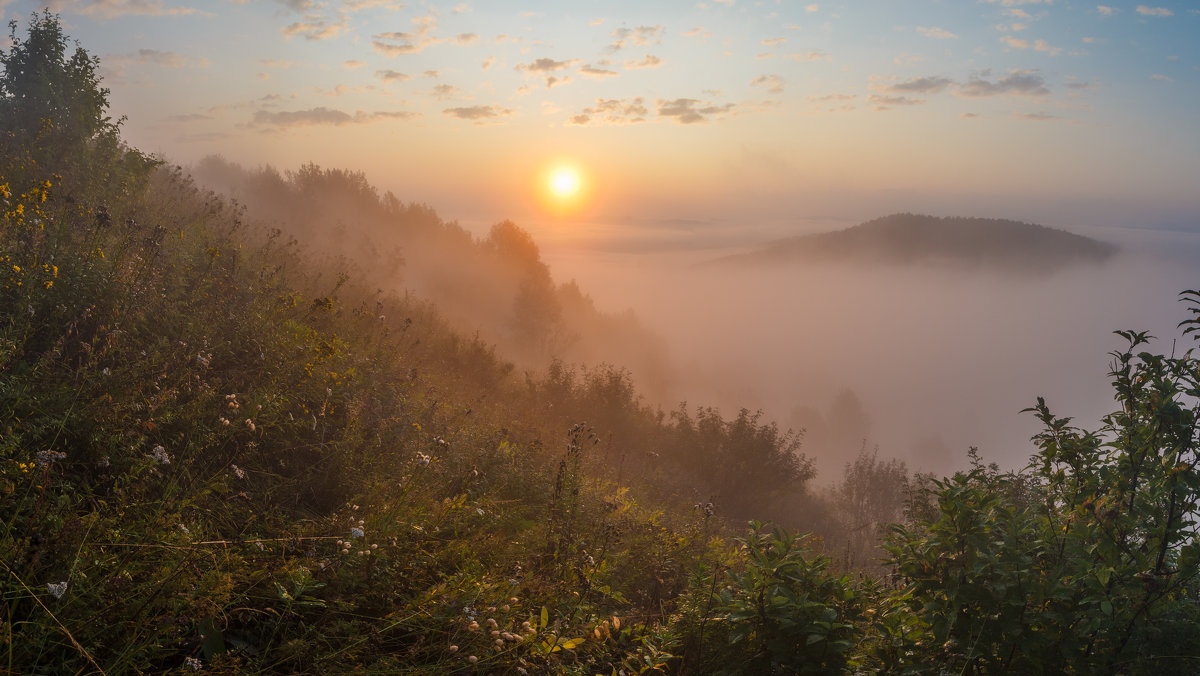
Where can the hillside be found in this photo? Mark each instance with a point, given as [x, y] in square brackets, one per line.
[221, 455]
[914, 239]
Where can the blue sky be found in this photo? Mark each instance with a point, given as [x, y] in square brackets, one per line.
[1060, 112]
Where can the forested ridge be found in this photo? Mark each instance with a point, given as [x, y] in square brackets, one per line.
[224, 455]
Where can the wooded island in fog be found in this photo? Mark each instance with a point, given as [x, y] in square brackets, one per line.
[955, 241]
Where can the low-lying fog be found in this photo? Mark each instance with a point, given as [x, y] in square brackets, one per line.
[922, 362]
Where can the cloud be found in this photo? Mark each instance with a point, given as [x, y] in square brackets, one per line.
[772, 83]
[771, 42]
[936, 33]
[461, 8]
[110, 9]
[1106, 11]
[397, 43]
[555, 81]
[314, 28]
[810, 56]
[918, 85]
[488, 62]
[832, 97]
[1036, 117]
[1015, 3]
[389, 75]
[441, 92]
[351, 64]
[1018, 14]
[478, 114]
[641, 36]
[691, 111]
[697, 32]
[1159, 77]
[649, 61]
[466, 39]
[886, 102]
[814, 7]
[321, 116]
[612, 112]
[342, 89]
[1154, 11]
[545, 65]
[1015, 43]
[588, 70]
[117, 63]
[358, 5]
[1018, 82]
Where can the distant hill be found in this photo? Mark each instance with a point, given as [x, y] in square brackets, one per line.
[917, 239]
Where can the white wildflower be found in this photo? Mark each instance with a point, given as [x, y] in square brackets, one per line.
[57, 589]
[193, 664]
[356, 532]
[160, 456]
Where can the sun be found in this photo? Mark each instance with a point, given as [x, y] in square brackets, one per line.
[565, 182]
[563, 188]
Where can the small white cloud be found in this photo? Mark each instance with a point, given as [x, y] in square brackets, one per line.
[1145, 10]
[936, 33]
[649, 61]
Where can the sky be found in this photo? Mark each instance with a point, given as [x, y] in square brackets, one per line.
[719, 119]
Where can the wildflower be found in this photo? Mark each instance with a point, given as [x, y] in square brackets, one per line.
[160, 456]
[508, 636]
[104, 462]
[356, 532]
[204, 359]
[238, 471]
[474, 626]
[345, 551]
[224, 422]
[250, 424]
[495, 633]
[105, 372]
[452, 649]
[48, 457]
[193, 664]
[184, 529]
[491, 623]
[260, 545]
[472, 659]
[374, 546]
[57, 589]
[499, 643]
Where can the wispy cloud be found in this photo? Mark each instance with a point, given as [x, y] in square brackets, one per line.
[351, 64]
[884, 102]
[771, 42]
[810, 56]
[589, 70]
[315, 27]
[1018, 83]
[479, 114]
[110, 9]
[692, 111]
[772, 83]
[936, 33]
[1145, 10]
[321, 116]
[612, 112]
[649, 61]
[545, 65]
[389, 75]
[640, 36]
[397, 43]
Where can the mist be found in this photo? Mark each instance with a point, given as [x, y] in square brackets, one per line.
[923, 362]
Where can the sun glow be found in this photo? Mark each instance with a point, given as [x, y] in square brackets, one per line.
[564, 182]
[563, 188]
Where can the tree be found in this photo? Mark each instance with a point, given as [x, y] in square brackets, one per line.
[54, 112]
[1085, 561]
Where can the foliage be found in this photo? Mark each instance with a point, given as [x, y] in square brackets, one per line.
[1061, 568]
[777, 611]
